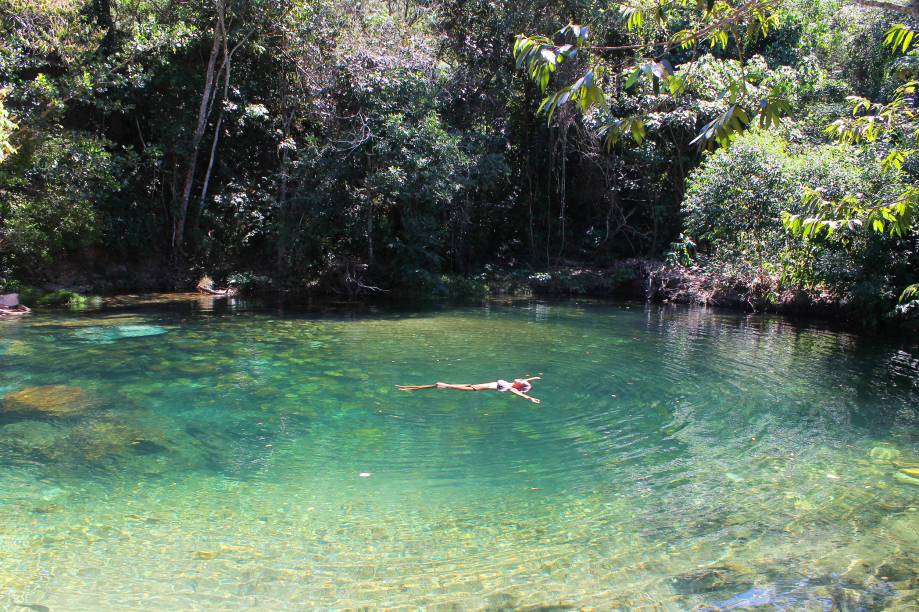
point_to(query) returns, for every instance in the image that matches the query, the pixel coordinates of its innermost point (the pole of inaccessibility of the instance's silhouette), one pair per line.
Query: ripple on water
(680, 458)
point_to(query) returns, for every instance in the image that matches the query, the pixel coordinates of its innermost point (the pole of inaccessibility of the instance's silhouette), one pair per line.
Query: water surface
(189, 457)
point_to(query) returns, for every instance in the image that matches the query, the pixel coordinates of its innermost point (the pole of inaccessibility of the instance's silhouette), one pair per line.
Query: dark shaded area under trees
(349, 146)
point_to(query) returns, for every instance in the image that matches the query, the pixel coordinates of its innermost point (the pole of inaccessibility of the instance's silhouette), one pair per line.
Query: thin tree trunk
(531, 232)
(370, 201)
(179, 228)
(227, 66)
(370, 233)
(549, 176)
(282, 191)
(528, 139)
(562, 196)
(282, 213)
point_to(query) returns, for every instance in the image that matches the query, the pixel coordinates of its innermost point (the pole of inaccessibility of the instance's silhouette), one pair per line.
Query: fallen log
(210, 291)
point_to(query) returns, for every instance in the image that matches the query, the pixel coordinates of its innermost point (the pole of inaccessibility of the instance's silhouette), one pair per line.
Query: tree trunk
(372, 195)
(549, 176)
(288, 112)
(562, 184)
(226, 68)
(179, 228)
(528, 131)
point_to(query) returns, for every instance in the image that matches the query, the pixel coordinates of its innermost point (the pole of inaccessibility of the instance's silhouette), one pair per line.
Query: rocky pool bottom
(179, 458)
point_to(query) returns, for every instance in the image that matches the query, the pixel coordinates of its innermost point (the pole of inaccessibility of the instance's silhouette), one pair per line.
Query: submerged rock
(129, 441)
(205, 555)
(857, 572)
(112, 333)
(905, 478)
(137, 331)
(898, 568)
(709, 579)
(52, 400)
(884, 453)
(99, 440)
(16, 348)
(83, 322)
(30, 436)
(849, 599)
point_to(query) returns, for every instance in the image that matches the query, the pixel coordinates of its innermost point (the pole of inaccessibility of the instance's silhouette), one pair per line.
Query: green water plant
(70, 299)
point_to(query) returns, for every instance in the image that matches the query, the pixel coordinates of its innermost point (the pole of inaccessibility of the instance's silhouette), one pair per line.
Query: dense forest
(432, 145)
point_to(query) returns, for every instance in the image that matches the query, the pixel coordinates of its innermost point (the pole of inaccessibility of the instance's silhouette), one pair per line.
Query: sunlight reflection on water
(243, 457)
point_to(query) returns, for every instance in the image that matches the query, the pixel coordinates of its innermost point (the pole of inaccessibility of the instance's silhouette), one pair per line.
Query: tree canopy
(316, 145)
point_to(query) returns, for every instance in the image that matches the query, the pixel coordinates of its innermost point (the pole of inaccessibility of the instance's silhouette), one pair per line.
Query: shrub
(734, 200)
(733, 205)
(248, 283)
(47, 197)
(63, 297)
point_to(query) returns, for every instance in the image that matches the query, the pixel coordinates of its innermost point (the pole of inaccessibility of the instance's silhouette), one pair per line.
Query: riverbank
(629, 279)
(657, 281)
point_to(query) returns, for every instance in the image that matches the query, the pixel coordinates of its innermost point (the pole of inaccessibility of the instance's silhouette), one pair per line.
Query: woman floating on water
(520, 386)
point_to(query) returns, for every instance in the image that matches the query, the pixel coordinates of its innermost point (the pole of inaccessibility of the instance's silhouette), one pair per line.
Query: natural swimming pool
(179, 457)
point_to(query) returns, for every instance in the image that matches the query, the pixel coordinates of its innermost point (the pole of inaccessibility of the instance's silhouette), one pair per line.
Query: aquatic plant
(71, 299)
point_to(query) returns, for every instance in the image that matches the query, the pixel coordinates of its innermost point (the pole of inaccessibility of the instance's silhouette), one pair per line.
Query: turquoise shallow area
(189, 456)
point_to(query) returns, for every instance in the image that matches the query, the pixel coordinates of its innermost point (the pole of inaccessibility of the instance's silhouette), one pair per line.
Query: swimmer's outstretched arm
(523, 395)
(415, 387)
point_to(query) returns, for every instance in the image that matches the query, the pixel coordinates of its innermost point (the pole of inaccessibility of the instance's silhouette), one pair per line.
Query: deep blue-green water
(205, 455)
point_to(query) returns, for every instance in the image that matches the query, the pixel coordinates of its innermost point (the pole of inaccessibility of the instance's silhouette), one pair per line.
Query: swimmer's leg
(415, 387)
(441, 385)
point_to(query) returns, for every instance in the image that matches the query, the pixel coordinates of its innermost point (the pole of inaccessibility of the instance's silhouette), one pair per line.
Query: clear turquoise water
(226, 457)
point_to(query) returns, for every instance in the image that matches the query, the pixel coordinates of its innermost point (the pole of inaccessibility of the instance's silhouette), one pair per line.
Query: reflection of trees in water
(633, 489)
(768, 409)
(773, 359)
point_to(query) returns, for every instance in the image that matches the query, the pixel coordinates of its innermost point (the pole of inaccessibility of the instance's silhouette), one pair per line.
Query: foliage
(307, 145)
(681, 251)
(889, 132)
(70, 299)
(46, 196)
(658, 36)
(461, 289)
(7, 127)
(205, 283)
(248, 283)
(735, 217)
(735, 212)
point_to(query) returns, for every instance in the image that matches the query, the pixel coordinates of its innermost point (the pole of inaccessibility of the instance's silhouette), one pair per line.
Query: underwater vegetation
(681, 459)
